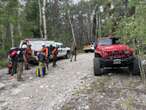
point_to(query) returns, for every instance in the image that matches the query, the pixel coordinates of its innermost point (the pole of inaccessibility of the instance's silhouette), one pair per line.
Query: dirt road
(44, 93)
(72, 86)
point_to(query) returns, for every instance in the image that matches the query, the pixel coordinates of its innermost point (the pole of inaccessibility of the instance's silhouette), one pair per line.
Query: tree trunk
(12, 34)
(3, 37)
(19, 30)
(19, 25)
(72, 29)
(44, 19)
(40, 18)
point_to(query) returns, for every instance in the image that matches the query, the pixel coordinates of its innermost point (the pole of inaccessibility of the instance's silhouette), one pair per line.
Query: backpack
(13, 54)
(41, 57)
(20, 54)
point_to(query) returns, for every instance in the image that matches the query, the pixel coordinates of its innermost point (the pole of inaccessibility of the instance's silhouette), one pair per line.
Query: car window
(109, 41)
(105, 42)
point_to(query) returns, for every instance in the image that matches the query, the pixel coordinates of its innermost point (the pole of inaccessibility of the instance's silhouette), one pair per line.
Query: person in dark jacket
(73, 53)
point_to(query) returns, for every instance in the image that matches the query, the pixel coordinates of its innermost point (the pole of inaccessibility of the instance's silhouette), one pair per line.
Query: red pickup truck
(109, 52)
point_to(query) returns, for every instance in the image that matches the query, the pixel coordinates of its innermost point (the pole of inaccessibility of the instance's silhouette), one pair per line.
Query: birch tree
(40, 18)
(44, 19)
(12, 34)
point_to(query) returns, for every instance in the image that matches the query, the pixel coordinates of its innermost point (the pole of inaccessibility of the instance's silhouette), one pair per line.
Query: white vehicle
(88, 47)
(62, 50)
(36, 44)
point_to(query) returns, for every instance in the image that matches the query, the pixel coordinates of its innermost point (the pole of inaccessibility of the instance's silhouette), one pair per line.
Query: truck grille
(117, 54)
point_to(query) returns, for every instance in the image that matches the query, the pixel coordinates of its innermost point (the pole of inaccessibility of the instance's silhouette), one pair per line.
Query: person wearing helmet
(24, 46)
(28, 55)
(12, 64)
(45, 51)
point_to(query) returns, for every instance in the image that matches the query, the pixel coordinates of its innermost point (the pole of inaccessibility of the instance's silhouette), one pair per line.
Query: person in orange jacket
(45, 51)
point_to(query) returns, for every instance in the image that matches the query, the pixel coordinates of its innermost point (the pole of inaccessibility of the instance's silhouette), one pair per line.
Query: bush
(3, 54)
(3, 63)
(3, 57)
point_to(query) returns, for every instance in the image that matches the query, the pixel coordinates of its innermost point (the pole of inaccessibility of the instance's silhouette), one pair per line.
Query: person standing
(54, 54)
(41, 69)
(73, 53)
(12, 65)
(45, 51)
(20, 62)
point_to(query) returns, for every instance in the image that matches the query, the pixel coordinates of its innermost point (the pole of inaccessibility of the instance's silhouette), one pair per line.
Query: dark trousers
(14, 67)
(54, 60)
(47, 62)
(73, 54)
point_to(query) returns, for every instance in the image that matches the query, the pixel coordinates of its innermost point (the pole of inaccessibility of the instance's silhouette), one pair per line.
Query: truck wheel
(86, 51)
(134, 67)
(97, 69)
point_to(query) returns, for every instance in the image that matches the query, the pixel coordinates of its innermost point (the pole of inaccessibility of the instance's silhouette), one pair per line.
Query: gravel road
(48, 92)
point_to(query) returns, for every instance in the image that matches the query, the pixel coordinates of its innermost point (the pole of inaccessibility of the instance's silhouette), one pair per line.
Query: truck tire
(86, 51)
(134, 67)
(97, 69)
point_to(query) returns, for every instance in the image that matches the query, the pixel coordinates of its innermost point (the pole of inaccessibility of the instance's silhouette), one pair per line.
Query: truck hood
(117, 47)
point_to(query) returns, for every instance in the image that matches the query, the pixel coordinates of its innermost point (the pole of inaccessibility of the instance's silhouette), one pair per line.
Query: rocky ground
(72, 86)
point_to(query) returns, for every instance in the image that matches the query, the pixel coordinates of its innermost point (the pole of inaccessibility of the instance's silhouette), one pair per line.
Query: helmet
(43, 44)
(24, 46)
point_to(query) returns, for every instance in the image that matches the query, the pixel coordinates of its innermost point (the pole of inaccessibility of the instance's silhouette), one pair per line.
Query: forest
(49, 19)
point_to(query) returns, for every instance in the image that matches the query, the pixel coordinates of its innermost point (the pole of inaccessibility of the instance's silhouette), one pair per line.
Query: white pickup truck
(62, 50)
(36, 45)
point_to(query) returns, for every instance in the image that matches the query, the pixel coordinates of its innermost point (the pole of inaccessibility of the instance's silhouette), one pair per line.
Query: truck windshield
(109, 41)
(105, 42)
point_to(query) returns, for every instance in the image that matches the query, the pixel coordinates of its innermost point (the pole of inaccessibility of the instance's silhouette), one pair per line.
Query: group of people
(19, 58)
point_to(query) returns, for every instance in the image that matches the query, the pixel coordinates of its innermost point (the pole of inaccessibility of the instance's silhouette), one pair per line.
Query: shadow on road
(117, 71)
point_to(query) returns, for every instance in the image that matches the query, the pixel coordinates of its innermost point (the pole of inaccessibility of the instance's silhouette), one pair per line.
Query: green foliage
(3, 63)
